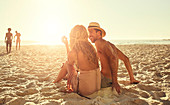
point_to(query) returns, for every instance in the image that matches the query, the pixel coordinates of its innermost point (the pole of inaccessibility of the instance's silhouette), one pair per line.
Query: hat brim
(103, 31)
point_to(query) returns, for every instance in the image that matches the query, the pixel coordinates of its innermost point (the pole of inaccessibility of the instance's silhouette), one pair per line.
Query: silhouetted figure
(8, 40)
(18, 35)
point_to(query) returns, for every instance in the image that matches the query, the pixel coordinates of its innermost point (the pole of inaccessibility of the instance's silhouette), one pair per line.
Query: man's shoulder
(100, 42)
(103, 42)
(110, 43)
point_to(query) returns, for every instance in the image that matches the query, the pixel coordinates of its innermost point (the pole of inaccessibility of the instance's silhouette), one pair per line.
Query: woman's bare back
(82, 61)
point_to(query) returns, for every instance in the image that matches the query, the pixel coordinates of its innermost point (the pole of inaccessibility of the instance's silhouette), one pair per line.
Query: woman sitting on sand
(81, 67)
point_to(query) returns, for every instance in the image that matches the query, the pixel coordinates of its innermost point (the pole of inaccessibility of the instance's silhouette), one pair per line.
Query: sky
(49, 20)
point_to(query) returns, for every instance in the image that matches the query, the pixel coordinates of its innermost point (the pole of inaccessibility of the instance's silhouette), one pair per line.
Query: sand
(26, 76)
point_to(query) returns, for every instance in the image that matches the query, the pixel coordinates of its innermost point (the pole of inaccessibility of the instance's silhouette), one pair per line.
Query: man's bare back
(106, 61)
(109, 61)
(104, 58)
(109, 56)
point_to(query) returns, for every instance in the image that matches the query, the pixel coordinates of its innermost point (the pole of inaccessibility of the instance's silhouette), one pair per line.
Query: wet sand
(26, 76)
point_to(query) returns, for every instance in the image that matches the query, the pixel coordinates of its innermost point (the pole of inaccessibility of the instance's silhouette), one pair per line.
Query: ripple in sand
(158, 94)
(52, 102)
(148, 87)
(11, 78)
(20, 87)
(30, 84)
(167, 66)
(144, 94)
(2, 89)
(20, 80)
(48, 93)
(16, 101)
(6, 66)
(5, 99)
(30, 103)
(27, 92)
(139, 101)
(9, 85)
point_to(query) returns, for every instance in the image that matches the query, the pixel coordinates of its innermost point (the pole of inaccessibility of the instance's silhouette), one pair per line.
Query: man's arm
(110, 53)
(126, 61)
(128, 66)
(5, 37)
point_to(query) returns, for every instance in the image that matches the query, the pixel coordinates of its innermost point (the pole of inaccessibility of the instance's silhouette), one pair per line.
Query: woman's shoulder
(72, 53)
(72, 56)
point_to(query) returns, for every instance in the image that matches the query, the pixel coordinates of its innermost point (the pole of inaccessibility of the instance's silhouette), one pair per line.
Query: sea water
(116, 42)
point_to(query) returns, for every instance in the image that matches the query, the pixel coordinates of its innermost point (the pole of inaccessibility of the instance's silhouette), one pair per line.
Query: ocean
(116, 42)
(128, 42)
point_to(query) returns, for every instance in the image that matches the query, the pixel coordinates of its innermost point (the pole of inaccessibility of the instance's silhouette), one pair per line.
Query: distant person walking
(18, 41)
(8, 40)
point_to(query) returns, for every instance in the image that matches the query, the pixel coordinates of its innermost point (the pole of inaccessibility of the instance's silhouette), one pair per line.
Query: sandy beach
(26, 76)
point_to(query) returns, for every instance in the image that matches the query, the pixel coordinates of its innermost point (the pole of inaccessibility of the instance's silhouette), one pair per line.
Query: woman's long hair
(79, 42)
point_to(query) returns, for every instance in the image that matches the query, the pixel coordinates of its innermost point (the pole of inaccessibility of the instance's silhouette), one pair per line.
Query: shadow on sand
(2, 54)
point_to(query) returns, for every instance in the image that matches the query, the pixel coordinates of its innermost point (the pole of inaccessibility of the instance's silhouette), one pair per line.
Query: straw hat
(96, 26)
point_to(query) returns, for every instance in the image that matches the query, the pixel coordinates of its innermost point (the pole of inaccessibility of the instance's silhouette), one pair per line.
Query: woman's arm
(65, 41)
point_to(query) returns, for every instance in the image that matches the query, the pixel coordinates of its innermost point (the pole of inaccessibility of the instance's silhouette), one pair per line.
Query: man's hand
(64, 40)
(117, 87)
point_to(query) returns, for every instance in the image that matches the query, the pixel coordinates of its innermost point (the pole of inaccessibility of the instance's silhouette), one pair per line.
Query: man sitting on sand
(8, 40)
(84, 57)
(18, 35)
(109, 56)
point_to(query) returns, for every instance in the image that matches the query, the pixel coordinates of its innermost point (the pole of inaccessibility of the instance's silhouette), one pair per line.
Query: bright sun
(51, 33)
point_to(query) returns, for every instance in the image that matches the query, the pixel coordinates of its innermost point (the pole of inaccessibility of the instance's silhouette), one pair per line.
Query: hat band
(93, 26)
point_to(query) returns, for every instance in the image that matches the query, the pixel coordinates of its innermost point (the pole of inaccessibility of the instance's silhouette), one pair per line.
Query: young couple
(82, 68)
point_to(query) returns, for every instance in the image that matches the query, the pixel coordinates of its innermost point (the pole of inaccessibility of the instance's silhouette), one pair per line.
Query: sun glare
(51, 33)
